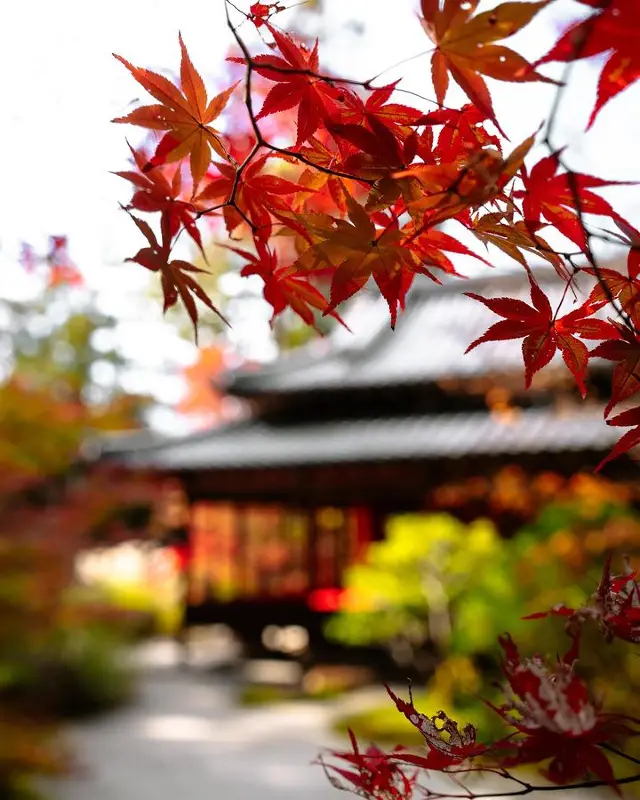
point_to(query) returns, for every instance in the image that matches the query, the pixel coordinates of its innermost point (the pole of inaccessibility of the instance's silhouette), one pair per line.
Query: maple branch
(366, 84)
(331, 80)
(231, 201)
(477, 176)
(526, 788)
(620, 753)
(563, 297)
(407, 60)
(529, 788)
(260, 140)
(572, 181)
(326, 170)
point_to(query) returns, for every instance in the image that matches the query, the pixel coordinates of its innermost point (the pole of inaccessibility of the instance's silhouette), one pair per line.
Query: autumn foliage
(549, 714)
(373, 173)
(372, 180)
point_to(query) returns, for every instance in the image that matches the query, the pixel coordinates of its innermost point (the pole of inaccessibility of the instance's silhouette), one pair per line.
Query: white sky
(61, 87)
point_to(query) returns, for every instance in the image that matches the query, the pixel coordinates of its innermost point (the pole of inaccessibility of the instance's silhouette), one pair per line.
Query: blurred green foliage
(163, 611)
(432, 580)
(60, 657)
(59, 382)
(79, 672)
(438, 593)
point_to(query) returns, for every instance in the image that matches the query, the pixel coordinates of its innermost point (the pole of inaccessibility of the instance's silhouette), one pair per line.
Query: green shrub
(163, 612)
(82, 672)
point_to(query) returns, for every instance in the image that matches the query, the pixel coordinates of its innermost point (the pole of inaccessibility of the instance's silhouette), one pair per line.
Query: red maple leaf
(624, 349)
(562, 199)
(257, 194)
(613, 285)
(447, 745)
(372, 773)
(159, 190)
(259, 13)
(615, 606)
(375, 140)
(611, 29)
(428, 246)
(555, 718)
(544, 332)
(618, 602)
(629, 440)
(174, 274)
(376, 111)
(375, 154)
(462, 131)
(295, 84)
(283, 287)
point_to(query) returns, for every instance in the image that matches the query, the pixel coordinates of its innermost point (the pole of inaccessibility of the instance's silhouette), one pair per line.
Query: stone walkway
(185, 739)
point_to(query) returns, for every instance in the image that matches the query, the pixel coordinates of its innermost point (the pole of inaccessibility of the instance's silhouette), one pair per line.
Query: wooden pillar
(242, 542)
(312, 547)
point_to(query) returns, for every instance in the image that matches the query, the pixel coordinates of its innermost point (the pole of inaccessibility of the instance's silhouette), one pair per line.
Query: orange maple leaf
(328, 189)
(202, 399)
(355, 250)
(186, 116)
(499, 229)
(454, 187)
(464, 47)
(62, 270)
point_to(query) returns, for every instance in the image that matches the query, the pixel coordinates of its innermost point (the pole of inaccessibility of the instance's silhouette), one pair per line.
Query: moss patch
(265, 694)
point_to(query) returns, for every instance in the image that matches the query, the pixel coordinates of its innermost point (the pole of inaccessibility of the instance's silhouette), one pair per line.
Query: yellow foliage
(456, 675)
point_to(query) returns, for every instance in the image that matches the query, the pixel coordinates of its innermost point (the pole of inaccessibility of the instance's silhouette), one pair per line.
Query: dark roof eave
(432, 437)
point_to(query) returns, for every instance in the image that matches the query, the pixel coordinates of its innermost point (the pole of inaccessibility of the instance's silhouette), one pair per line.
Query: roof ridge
(304, 359)
(417, 436)
(161, 440)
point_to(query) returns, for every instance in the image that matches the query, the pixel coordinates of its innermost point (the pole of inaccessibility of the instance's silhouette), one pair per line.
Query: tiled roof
(428, 344)
(259, 443)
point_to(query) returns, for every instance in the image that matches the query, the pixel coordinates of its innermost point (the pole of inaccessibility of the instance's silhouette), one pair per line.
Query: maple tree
(360, 193)
(374, 179)
(48, 406)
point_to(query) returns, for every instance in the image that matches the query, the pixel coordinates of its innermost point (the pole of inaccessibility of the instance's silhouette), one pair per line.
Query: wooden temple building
(360, 426)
